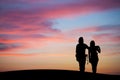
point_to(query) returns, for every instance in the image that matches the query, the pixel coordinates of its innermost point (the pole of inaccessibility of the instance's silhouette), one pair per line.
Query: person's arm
(87, 46)
(98, 49)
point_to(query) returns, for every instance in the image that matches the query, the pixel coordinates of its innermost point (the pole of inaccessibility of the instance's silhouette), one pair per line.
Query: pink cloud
(108, 33)
(30, 41)
(107, 38)
(78, 8)
(21, 21)
(40, 17)
(35, 23)
(62, 10)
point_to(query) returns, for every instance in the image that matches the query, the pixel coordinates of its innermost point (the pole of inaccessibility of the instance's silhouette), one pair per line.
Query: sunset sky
(43, 34)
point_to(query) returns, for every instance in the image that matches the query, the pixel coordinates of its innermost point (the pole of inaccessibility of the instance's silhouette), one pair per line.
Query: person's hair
(81, 40)
(92, 43)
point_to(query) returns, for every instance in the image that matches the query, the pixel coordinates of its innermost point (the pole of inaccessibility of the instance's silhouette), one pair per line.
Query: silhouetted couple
(92, 53)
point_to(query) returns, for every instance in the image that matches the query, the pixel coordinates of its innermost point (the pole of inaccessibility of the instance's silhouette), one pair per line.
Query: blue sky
(109, 17)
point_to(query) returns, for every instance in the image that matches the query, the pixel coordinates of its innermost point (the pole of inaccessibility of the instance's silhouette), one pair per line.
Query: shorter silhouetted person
(80, 54)
(93, 55)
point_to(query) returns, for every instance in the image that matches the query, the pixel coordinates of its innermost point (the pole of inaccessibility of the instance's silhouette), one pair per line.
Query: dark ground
(54, 75)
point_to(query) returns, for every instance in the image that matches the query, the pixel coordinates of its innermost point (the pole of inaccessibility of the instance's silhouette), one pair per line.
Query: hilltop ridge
(48, 74)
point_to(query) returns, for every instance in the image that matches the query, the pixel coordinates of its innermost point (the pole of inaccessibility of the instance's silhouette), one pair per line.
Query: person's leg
(94, 66)
(82, 65)
(79, 66)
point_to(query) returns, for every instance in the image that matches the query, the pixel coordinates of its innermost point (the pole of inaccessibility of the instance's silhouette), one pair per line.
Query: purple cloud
(111, 28)
(34, 17)
(10, 36)
(108, 33)
(5, 46)
(8, 27)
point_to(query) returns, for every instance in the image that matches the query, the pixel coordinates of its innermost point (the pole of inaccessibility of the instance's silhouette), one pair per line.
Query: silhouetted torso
(94, 52)
(80, 51)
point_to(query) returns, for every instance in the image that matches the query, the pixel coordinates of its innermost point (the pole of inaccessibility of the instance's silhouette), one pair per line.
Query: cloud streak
(4, 46)
(30, 20)
(107, 34)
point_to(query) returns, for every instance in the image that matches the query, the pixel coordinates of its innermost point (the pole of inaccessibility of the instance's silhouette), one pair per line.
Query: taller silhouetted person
(80, 54)
(93, 55)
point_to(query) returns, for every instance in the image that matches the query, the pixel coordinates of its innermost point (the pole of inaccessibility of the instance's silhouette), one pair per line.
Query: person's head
(92, 43)
(81, 41)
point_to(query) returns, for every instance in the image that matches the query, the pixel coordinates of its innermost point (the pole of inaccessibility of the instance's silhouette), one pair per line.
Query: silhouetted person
(93, 55)
(80, 54)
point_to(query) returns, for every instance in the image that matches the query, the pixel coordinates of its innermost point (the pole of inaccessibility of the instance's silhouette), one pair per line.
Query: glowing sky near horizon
(43, 34)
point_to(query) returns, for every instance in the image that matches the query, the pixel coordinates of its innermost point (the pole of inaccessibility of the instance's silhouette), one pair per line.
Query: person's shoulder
(97, 46)
(85, 45)
(77, 45)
